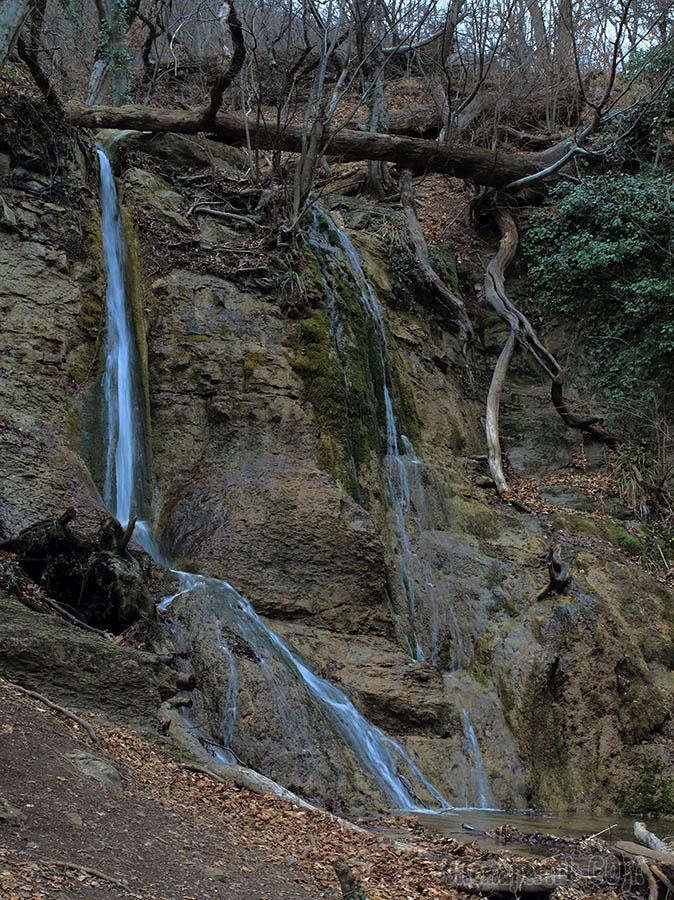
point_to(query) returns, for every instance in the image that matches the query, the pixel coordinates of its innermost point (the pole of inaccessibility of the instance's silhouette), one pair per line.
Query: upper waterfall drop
(123, 437)
(430, 611)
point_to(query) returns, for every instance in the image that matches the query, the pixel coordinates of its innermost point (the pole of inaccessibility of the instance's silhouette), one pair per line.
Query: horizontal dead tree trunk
(486, 167)
(426, 121)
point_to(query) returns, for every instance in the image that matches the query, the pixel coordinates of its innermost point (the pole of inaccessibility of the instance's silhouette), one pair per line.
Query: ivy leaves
(601, 253)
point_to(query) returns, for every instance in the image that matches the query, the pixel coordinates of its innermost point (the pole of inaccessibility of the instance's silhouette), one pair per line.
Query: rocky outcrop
(82, 670)
(565, 695)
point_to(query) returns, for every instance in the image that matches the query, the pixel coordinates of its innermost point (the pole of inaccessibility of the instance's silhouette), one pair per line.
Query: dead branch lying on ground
(60, 709)
(93, 873)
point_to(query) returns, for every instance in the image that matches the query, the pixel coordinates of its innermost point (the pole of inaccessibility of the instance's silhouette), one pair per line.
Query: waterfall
(123, 444)
(377, 754)
(485, 799)
(401, 467)
(230, 711)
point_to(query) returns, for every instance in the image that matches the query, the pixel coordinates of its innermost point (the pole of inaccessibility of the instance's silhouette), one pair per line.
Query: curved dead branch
(87, 726)
(491, 425)
(494, 289)
(447, 297)
(525, 333)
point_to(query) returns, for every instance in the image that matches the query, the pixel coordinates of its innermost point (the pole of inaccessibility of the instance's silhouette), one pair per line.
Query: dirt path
(126, 832)
(161, 832)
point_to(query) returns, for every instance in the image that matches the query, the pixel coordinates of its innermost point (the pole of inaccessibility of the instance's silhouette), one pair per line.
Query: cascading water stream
(377, 753)
(122, 443)
(399, 461)
(485, 799)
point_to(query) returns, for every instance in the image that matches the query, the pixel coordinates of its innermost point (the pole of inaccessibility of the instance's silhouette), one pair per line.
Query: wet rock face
(50, 304)
(559, 693)
(243, 492)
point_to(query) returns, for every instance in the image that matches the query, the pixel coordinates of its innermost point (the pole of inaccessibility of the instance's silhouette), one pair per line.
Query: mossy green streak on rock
(139, 297)
(603, 530)
(317, 363)
(344, 375)
(93, 279)
(402, 393)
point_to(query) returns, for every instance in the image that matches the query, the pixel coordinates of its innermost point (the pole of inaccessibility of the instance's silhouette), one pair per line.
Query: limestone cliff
(265, 473)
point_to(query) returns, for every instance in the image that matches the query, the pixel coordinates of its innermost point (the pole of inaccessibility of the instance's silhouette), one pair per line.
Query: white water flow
(121, 455)
(228, 726)
(376, 753)
(485, 799)
(400, 462)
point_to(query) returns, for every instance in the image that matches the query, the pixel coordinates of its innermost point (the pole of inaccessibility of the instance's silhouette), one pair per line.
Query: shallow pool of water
(574, 825)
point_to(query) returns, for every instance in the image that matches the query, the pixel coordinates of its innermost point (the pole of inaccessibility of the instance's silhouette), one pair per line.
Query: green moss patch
(650, 791)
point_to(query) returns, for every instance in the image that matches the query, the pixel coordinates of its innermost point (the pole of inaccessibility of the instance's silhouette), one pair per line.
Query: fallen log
(657, 856)
(494, 168)
(646, 837)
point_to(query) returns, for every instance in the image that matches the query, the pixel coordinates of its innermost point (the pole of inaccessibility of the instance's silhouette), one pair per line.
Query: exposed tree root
(522, 331)
(447, 297)
(94, 873)
(69, 617)
(61, 709)
(94, 575)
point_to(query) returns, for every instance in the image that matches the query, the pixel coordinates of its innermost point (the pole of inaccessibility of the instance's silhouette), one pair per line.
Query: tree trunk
(491, 425)
(97, 82)
(13, 14)
(113, 67)
(487, 167)
(447, 297)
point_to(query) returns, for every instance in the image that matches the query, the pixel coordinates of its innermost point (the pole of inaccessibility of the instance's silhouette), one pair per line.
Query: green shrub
(600, 255)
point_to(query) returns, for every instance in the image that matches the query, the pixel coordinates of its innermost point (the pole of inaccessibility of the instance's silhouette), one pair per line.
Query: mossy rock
(475, 519)
(650, 791)
(622, 539)
(574, 524)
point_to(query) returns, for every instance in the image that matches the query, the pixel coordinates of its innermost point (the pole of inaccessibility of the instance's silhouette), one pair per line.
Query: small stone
(217, 874)
(99, 769)
(484, 482)
(10, 815)
(74, 819)
(7, 217)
